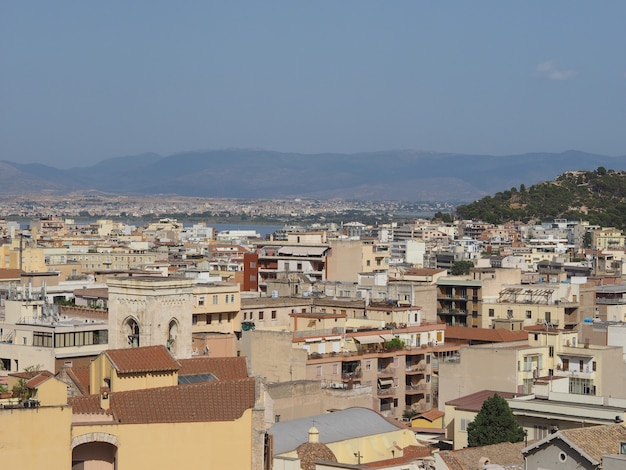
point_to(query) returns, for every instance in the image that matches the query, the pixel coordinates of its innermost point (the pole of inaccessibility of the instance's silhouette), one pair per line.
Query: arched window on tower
(171, 335)
(131, 331)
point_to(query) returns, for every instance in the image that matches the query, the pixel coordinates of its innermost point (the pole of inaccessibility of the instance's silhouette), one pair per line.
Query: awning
(385, 382)
(302, 250)
(368, 339)
(387, 337)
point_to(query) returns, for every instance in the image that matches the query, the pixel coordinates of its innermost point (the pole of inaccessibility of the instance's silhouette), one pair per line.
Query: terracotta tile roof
(491, 335)
(143, 359)
(30, 375)
(506, 454)
(449, 458)
(597, 441)
(39, 379)
(411, 453)
(87, 405)
(474, 401)
(81, 377)
(208, 401)
(224, 368)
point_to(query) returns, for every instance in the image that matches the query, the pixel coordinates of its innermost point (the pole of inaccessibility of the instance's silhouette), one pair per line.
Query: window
(509, 313)
(318, 371)
(232, 298)
(215, 300)
(220, 318)
(464, 423)
(529, 314)
(201, 300)
(273, 314)
(253, 264)
(245, 316)
(42, 339)
(335, 368)
(492, 312)
(368, 365)
(367, 263)
(226, 298)
(260, 315)
(551, 351)
(547, 317)
(539, 432)
(299, 266)
(194, 320)
(593, 366)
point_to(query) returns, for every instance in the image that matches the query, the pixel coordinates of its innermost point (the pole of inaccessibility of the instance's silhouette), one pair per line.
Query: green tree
(461, 267)
(445, 217)
(493, 424)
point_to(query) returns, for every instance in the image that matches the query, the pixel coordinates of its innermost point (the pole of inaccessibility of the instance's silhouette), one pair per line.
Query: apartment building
(590, 370)
(275, 261)
(460, 298)
(562, 305)
(35, 334)
(608, 238)
(348, 258)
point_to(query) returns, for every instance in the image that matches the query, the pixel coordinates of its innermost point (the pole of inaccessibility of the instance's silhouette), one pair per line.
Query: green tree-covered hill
(597, 196)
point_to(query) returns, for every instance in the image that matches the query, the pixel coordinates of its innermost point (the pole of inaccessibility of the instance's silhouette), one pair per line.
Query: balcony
(417, 368)
(584, 373)
(449, 311)
(419, 388)
(386, 392)
(357, 374)
(387, 371)
(355, 388)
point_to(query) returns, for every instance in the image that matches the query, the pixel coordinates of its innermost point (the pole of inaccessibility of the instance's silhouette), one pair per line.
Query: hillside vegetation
(596, 196)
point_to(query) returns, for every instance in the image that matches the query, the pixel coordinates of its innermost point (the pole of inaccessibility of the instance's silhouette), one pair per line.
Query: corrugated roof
(142, 359)
(337, 426)
(474, 401)
(6, 273)
(224, 368)
(494, 335)
(432, 414)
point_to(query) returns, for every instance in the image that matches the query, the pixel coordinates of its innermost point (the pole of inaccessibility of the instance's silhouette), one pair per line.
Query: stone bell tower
(148, 311)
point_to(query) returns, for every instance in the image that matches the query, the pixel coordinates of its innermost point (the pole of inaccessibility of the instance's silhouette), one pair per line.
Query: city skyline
(85, 82)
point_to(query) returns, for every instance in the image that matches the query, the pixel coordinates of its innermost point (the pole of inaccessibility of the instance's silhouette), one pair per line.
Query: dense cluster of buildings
(333, 346)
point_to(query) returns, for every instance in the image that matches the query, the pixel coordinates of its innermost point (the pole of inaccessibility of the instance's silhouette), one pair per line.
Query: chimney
(105, 397)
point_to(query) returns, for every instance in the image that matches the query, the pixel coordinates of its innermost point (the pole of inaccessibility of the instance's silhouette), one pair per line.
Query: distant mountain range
(405, 175)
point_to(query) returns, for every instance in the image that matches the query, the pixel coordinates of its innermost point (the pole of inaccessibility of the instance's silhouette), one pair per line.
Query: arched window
(172, 332)
(131, 331)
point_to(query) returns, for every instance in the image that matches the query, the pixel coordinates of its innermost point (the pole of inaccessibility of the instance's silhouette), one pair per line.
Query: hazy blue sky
(84, 81)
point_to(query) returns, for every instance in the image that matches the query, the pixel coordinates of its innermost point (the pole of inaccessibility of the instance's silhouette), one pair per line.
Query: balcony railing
(352, 375)
(386, 392)
(416, 388)
(387, 371)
